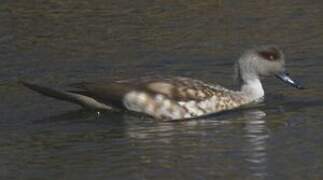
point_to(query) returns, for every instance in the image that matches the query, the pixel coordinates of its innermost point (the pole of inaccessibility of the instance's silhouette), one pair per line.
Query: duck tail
(48, 91)
(82, 100)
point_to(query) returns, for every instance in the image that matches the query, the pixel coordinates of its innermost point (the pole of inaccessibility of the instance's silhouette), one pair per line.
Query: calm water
(58, 42)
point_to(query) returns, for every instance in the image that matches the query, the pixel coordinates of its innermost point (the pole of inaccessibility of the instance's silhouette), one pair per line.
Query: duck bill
(284, 76)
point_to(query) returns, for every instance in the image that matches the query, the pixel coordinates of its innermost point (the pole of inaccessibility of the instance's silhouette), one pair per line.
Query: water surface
(59, 42)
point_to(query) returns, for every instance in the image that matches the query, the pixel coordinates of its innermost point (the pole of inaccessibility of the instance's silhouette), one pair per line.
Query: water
(59, 42)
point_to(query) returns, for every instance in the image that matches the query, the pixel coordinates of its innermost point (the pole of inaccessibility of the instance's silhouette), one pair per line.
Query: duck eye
(270, 54)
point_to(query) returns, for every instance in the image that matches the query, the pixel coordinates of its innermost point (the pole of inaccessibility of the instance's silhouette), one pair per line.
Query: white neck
(253, 89)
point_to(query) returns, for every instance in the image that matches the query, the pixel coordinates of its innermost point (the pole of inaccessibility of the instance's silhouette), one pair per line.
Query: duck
(177, 98)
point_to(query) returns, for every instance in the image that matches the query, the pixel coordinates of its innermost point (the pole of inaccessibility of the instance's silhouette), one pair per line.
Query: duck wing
(176, 89)
(185, 89)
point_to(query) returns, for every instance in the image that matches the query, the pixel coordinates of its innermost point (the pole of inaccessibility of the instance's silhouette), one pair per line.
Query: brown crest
(271, 54)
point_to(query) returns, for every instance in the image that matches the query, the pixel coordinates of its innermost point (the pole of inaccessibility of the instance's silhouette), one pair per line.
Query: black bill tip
(284, 76)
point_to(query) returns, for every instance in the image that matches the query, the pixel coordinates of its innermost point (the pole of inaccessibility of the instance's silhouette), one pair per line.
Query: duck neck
(249, 82)
(253, 89)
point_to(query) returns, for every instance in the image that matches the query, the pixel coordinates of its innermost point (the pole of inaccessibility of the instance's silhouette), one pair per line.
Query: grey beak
(284, 76)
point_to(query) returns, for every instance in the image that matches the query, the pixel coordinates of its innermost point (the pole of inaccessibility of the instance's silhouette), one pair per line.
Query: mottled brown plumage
(178, 97)
(182, 96)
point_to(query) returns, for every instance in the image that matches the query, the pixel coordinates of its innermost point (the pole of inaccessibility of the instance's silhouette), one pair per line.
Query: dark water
(57, 42)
